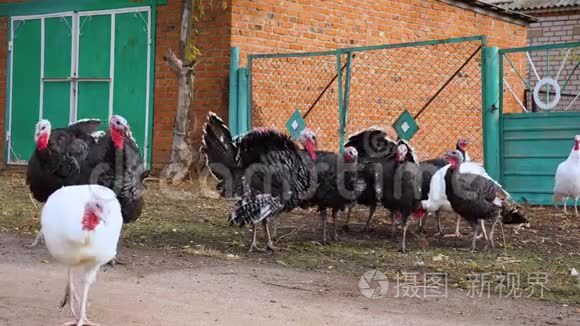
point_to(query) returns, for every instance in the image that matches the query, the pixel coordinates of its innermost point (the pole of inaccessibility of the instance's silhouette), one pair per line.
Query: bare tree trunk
(183, 156)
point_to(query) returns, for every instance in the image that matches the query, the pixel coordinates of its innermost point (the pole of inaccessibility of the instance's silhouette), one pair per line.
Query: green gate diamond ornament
(406, 126)
(295, 124)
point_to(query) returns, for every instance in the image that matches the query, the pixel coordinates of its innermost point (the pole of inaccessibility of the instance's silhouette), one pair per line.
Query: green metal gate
(431, 87)
(74, 65)
(540, 115)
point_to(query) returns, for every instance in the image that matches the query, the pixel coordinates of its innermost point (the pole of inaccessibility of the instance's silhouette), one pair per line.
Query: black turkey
(373, 145)
(476, 198)
(274, 174)
(115, 162)
(402, 188)
(59, 154)
(338, 186)
(57, 159)
(428, 169)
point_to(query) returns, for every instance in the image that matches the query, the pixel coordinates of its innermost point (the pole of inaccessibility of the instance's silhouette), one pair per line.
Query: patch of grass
(182, 220)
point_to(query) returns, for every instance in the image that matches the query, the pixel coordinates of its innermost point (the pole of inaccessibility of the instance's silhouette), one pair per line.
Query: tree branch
(174, 62)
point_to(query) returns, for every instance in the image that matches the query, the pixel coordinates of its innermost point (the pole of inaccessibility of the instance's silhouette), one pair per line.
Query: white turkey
(81, 226)
(567, 180)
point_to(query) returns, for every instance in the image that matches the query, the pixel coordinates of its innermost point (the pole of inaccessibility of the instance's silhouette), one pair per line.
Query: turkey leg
(334, 234)
(403, 242)
(254, 246)
(269, 245)
(37, 240)
(323, 216)
(371, 213)
(87, 281)
(476, 229)
(348, 211)
(457, 234)
(440, 232)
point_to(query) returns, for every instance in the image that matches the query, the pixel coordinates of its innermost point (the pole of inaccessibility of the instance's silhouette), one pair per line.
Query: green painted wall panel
(534, 144)
(93, 101)
(57, 47)
(25, 88)
(56, 103)
(94, 46)
(130, 78)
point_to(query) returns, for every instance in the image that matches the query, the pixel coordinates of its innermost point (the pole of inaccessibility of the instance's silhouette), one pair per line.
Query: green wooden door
(71, 66)
(130, 86)
(25, 90)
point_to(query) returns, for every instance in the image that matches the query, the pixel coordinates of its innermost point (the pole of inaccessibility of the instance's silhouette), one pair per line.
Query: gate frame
(500, 84)
(240, 101)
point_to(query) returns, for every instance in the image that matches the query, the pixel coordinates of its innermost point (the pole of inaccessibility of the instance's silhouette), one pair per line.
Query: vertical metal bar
(112, 65)
(9, 75)
(340, 98)
(75, 66)
(249, 93)
(499, 85)
(243, 121)
(491, 110)
(152, 36)
(41, 100)
(345, 102)
(548, 75)
(233, 105)
(146, 149)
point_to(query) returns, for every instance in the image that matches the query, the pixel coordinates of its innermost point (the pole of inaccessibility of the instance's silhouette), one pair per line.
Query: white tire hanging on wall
(548, 105)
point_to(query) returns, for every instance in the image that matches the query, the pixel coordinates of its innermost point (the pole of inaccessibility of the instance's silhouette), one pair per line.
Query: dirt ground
(156, 288)
(186, 264)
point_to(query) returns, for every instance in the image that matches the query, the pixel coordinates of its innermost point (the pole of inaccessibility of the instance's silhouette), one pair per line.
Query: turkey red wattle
(42, 141)
(310, 148)
(118, 137)
(577, 144)
(90, 220)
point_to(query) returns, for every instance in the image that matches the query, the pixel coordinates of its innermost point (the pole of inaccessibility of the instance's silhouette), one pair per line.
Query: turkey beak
(310, 148)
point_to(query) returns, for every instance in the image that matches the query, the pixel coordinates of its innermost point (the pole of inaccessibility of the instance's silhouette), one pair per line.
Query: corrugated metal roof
(535, 4)
(499, 9)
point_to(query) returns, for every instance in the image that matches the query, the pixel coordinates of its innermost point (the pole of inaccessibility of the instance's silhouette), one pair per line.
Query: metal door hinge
(10, 46)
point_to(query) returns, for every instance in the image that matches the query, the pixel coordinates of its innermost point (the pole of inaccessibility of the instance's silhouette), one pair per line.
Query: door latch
(10, 46)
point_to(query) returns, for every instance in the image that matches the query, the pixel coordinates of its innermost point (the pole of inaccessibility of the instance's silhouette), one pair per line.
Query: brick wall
(313, 25)
(384, 82)
(553, 28)
(211, 78)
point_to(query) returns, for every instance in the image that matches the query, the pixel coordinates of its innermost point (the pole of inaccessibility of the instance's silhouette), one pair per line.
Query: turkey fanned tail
(251, 210)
